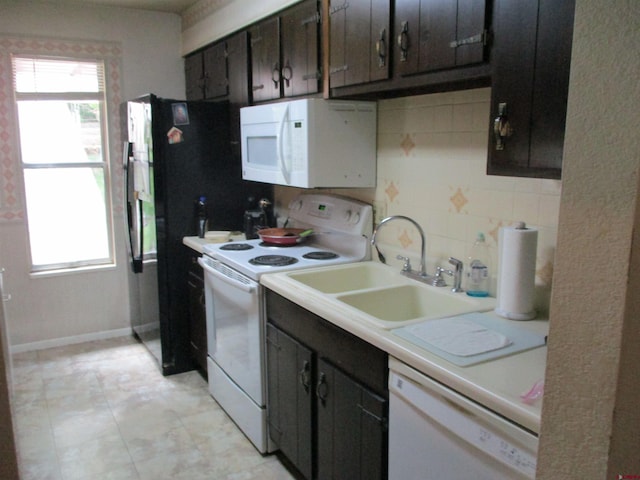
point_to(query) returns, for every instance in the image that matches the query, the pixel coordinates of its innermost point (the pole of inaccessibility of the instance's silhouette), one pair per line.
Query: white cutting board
(471, 338)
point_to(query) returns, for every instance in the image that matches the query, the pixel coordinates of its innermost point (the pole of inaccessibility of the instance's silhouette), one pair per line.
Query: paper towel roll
(516, 272)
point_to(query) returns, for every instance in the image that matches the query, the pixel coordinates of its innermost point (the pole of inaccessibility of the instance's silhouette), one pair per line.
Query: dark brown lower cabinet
(351, 427)
(289, 364)
(197, 314)
(327, 400)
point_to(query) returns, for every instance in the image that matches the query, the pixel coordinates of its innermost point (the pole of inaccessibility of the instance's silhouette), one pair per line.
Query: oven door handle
(249, 288)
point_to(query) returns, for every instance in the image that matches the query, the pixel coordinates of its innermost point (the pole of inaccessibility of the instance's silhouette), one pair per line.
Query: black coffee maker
(256, 218)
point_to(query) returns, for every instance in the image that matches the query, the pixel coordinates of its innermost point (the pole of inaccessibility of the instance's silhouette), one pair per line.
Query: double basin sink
(385, 297)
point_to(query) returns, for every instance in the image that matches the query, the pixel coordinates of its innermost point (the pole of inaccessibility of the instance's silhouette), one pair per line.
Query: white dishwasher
(437, 434)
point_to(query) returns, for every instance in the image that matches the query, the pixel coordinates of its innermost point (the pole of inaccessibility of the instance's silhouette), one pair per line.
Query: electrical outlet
(379, 211)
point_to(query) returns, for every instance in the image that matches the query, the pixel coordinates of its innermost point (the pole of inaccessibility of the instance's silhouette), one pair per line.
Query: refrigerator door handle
(136, 261)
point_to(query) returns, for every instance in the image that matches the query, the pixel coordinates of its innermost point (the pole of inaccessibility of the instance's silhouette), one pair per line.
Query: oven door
(234, 330)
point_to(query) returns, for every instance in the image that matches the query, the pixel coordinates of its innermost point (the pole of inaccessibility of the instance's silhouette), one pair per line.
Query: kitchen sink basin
(350, 277)
(400, 305)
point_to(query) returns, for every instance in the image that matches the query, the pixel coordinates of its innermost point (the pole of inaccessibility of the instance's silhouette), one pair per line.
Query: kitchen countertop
(196, 243)
(496, 384)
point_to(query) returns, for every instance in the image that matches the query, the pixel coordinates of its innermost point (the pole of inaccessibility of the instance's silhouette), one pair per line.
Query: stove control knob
(295, 205)
(347, 216)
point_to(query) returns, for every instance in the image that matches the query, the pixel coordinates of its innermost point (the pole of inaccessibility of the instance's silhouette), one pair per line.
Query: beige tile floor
(102, 411)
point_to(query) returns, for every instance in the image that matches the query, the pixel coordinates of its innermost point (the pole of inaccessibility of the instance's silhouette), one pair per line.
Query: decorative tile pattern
(392, 191)
(458, 200)
(545, 273)
(407, 145)
(405, 239)
(11, 208)
(495, 232)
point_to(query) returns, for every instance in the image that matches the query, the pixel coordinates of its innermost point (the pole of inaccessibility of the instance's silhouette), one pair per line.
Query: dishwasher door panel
(435, 434)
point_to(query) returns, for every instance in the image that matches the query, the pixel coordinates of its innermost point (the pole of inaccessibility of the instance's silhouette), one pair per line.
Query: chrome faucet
(407, 267)
(456, 273)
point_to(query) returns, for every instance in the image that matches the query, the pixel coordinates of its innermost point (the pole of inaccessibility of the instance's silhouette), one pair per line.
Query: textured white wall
(85, 304)
(209, 20)
(590, 416)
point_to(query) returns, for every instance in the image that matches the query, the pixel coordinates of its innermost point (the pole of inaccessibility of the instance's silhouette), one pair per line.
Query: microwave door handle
(283, 167)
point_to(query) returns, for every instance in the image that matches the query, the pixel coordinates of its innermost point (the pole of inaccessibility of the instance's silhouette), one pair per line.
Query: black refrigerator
(174, 153)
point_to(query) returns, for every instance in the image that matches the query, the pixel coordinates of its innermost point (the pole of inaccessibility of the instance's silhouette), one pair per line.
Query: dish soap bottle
(478, 270)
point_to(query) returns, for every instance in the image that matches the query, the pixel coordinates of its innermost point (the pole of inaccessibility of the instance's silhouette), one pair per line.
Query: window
(63, 144)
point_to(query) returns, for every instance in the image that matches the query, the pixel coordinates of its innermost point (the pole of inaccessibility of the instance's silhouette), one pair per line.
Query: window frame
(105, 164)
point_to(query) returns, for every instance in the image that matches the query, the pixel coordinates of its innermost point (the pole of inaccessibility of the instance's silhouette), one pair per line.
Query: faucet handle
(456, 263)
(407, 263)
(457, 277)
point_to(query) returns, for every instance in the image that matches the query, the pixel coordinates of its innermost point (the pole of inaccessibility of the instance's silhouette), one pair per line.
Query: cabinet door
(530, 78)
(265, 60)
(197, 314)
(290, 384)
(238, 77)
(438, 34)
(351, 428)
(215, 71)
(300, 41)
(359, 41)
(194, 76)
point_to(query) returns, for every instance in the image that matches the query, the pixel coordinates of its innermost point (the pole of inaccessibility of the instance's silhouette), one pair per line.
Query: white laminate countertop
(196, 243)
(496, 384)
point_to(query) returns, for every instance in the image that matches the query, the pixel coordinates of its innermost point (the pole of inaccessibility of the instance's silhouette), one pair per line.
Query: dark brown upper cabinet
(530, 82)
(206, 73)
(194, 76)
(300, 42)
(265, 60)
(359, 41)
(438, 34)
(285, 53)
(238, 80)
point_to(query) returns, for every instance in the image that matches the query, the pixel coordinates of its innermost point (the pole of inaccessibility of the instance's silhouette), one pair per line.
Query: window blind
(46, 75)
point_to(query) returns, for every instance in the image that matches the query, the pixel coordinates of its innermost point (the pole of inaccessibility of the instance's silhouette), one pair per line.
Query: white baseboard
(60, 342)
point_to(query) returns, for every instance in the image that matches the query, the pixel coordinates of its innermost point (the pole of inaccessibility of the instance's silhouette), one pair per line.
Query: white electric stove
(236, 327)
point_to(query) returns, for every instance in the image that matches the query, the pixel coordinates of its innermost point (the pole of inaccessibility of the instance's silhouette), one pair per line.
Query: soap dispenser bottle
(478, 268)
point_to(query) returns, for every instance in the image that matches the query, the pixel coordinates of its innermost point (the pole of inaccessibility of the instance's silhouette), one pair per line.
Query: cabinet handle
(334, 10)
(478, 38)
(257, 87)
(403, 41)
(322, 388)
(371, 415)
(501, 127)
(381, 48)
(342, 68)
(287, 74)
(275, 75)
(305, 376)
(312, 76)
(315, 18)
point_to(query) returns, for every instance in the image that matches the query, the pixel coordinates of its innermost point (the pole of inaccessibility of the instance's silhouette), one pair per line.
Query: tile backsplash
(431, 166)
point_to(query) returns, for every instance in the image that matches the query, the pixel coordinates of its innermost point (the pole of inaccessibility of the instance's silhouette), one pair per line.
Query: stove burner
(236, 246)
(320, 255)
(273, 260)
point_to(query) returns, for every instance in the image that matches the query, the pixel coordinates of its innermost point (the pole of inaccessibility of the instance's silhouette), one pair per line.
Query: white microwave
(310, 143)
